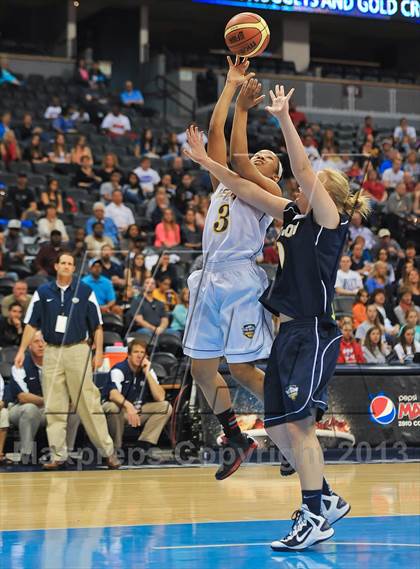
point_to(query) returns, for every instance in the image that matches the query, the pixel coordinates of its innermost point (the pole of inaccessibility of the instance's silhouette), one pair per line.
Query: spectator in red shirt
(374, 187)
(298, 118)
(350, 350)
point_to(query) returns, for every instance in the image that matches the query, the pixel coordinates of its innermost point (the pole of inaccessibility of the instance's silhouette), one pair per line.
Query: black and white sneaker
(308, 529)
(334, 507)
(234, 452)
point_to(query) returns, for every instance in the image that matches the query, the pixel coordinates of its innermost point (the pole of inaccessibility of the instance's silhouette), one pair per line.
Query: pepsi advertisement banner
(367, 409)
(402, 10)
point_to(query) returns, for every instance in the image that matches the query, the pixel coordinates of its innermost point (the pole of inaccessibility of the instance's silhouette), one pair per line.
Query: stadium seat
(35, 281)
(167, 360)
(111, 338)
(6, 286)
(160, 372)
(5, 370)
(20, 166)
(113, 323)
(343, 304)
(8, 354)
(169, 343)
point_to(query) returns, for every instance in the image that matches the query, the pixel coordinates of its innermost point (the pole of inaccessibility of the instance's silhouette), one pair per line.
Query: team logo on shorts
(248, 330)
(292, 392)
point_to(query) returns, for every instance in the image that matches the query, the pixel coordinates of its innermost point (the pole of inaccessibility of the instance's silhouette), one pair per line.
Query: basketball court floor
(182, 517)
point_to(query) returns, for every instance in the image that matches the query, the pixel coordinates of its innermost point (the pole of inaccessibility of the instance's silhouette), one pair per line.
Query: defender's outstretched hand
(236, 74)
(250, 95)
(196, 150)
(279, 101)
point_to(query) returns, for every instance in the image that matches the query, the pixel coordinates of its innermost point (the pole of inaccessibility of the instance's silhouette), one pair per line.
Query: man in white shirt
(356, 228)
(115, 123)
(393, 176)
(120, 214)
(405, 130)
(48, 223)
(348, 282)
(148, 177)
(310, 149)
(53, 111)
(181, 138)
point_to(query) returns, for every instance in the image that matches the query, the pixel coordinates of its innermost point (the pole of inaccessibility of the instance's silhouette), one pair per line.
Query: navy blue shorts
(302, 361)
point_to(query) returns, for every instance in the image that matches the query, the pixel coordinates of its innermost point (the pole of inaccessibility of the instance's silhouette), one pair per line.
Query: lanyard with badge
(61, 323)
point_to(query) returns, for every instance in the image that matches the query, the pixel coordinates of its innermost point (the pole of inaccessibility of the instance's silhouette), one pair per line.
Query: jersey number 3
(222, 222)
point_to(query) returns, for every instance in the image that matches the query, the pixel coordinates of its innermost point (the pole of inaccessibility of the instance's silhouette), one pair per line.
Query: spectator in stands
(383, 256)
(372, 319)
(348, 282)
(412, 165)
(191, 236)
(405, 304)
(400, 203)
(131, 97)
(171, 148)
(378, 277)
(64, 123)
(97, 240)
(34, 152)
(6, 76)
(135, 397)
(164, 268)
(409, 254)
(132, 190)
(202, 209)
(367, 127)
(132, 237)
(179, 313)
(4, 425)
(177, 170)
(357, 228)
(27, 129)
(391, 177)
(166, 182)
(120, 214)
(86, 177)
(98, 79)
(407, 347)
(19, 295)
(344, 164)
(167, 232)
(52, 195)
(350, 350)
(413, 318)
(135, 275)
(27, 410)
(7, 208)
(81, 75)
(165, 294)
(409, 182)
(81, 150)
(47, 254)
(9, 148)
(49, 223)
(374, 187)
(184, 193)
(298, 118)
(59, 154)
(151, 318)
(389, 244)
(111, 269)
(148, 177)
(358, 260)
(5, 122)
(11, 327)
(373, 350)
(405, 130)
(378, 298)
(310, 148)
(157, 205)
(77, 245)
(101, 286)
(107, 188)
(116, 124)
(21, 196)
(13, 246)
(109, 165)
(146, 145)
(411, 282)
(53, 111)
(387, 156)
(110, 229)
(359, 307)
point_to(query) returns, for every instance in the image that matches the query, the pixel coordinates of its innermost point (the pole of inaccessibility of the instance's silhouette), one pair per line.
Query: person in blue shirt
(304, 354)
(101, 286)
(67, 313)
(6, 76)
(179, 313)
(27, 412)
(110, 229)
(131, 97)
(135, 397)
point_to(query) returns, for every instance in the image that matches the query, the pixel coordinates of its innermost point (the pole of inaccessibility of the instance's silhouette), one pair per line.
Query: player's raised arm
(325, 210)
(246, 190)
(250, 96)
(217, 143)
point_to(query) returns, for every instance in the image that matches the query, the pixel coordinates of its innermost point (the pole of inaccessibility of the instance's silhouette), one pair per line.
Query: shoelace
(299, 520)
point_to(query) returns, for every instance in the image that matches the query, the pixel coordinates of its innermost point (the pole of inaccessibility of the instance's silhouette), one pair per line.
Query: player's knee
(243, 372)
(201, 371)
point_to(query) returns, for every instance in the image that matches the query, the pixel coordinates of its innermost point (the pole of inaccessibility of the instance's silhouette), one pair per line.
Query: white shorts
(225, 317)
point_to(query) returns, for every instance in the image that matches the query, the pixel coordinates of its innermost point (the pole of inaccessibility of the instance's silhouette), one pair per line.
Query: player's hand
(133, 418)
(279, 101)
(250, 95)
(19, 358)
(236, 74)
(197, 151)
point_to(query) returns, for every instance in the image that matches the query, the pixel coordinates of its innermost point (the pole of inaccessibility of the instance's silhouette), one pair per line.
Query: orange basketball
(247, 34)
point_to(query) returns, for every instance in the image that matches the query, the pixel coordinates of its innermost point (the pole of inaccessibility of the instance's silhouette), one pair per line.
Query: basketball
(247, 34)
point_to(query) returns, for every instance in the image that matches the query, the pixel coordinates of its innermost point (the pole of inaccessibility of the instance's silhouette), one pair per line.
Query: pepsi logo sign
(382, 410)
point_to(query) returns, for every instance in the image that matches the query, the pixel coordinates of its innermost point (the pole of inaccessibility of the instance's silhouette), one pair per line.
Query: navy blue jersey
(26, 379)
(309, 256)
(134, 387)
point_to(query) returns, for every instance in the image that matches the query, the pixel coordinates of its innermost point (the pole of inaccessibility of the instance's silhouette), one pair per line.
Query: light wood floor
(160, 496)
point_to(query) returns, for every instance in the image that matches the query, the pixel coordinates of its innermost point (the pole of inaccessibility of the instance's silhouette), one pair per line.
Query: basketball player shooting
(304, 353)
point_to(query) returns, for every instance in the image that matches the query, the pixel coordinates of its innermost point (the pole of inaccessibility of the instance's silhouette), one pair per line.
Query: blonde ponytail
(357, 202)
(337, 185)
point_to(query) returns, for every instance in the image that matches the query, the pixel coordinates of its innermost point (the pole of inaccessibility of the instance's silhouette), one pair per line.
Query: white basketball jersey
(234, 230)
